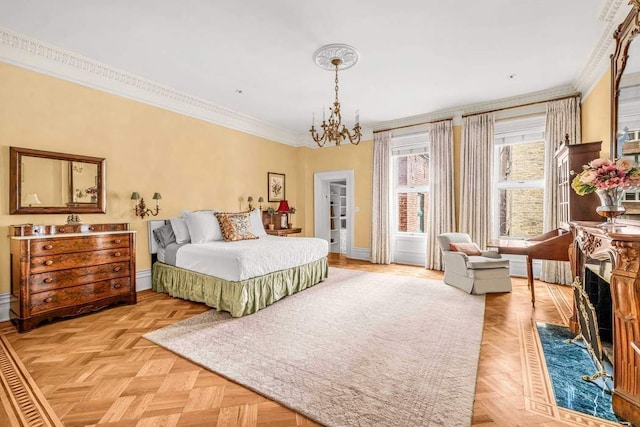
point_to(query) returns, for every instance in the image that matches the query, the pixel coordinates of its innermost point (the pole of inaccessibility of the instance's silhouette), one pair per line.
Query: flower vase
(610, 204)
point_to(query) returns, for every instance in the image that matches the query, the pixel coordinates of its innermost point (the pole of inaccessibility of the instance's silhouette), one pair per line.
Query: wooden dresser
(67, 270)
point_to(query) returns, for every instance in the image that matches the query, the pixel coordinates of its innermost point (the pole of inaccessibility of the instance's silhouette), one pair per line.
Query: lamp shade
(157, 196)
(32, 199)
(284, 206)
(260, 199)
(250, 199)
(135, 196)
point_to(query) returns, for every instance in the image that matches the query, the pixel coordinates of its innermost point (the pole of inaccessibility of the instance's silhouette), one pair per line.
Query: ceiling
(416, 56)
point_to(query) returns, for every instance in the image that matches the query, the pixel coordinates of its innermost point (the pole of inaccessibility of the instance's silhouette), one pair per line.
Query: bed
(240, 277)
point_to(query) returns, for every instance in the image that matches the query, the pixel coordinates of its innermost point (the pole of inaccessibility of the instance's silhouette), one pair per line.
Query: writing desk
(553, 246)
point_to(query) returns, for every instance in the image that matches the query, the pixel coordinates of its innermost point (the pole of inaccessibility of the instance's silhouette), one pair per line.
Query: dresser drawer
(41, 247)
(67, 297)
(76, 276)
(42, 264)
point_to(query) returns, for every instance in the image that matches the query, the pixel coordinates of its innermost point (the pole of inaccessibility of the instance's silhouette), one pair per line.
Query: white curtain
(475, 176)
(380, 227)
(563, 117)
(441, 210)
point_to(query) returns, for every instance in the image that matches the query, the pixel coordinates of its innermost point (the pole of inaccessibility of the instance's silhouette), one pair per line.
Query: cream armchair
(479, 273)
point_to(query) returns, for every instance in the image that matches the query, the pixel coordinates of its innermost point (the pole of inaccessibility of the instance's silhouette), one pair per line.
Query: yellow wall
(360, 159)
(596, 114)
(194, 164)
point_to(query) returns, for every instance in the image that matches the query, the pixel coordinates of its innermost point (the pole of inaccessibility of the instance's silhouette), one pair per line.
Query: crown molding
(23, 51)
(613, 13)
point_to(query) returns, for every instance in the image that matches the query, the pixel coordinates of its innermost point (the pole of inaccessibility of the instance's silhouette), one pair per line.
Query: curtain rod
(415, 124)
(560, 98)
(481, 112)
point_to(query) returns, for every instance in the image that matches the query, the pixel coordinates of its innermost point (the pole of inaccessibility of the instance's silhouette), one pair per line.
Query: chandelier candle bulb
(357, 116)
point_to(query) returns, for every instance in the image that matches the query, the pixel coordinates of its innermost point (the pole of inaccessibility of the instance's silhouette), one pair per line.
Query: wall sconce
(140, 207)
(261, 200)
(250, 200)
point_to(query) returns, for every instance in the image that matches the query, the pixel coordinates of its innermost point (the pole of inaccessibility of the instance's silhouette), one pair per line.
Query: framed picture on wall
(276, 186)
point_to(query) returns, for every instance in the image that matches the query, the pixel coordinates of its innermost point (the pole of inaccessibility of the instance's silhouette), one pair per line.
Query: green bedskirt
(238, 298)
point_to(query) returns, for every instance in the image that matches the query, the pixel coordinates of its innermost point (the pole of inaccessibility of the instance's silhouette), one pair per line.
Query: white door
(343, 218)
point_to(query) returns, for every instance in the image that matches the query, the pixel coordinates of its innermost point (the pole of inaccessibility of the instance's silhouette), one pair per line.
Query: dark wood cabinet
(572, 206)
(61, 271)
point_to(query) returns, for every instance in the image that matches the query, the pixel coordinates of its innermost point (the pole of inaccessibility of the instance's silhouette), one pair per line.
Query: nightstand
(284, 232)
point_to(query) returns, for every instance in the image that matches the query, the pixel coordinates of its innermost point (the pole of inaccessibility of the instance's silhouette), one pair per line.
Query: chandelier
(336, 56)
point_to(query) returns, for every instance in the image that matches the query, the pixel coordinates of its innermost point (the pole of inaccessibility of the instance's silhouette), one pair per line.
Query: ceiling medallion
(336, 57)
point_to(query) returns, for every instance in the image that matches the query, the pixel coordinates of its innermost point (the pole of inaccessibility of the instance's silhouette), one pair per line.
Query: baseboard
(363, 254)
(143, 280)
(5, 306)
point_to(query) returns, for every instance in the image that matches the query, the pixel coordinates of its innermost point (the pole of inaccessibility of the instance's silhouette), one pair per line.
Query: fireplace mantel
(619, 245)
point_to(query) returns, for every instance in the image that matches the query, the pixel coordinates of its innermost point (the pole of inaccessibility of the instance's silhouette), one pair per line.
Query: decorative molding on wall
(361, 253)
(5, 298)
(27, 52)
(613, 13)
(143, 280)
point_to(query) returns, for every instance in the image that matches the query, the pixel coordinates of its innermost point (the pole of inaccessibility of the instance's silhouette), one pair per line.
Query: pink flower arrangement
(605, 174)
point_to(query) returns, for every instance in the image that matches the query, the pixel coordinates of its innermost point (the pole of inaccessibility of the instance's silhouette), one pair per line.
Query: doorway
(333, 209)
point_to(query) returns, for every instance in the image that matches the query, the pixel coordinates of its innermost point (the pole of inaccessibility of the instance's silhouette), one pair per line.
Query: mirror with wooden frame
(46, 182)
(625, 88)
(625, 101)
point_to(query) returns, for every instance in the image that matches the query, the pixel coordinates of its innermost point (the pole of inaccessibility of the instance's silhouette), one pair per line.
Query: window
(518, 177)
(410, 162)
(409, 198)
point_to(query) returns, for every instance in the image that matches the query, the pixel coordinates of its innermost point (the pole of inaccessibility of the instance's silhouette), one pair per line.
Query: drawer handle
(117, 286)
(48, 246)
(92, 228)
(48, 280)
(117, 240)
(117, 268)
(117, 254)
(48, 262)
(49, 299)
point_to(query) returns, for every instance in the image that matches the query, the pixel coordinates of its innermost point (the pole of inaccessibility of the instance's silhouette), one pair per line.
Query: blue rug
(567, 363)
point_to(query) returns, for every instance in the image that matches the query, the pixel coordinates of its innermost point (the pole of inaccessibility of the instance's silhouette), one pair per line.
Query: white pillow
(256, 223)
(203, 226)
(180, 229)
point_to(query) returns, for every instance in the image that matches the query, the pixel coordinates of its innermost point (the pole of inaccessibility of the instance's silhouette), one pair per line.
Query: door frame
(321, 203)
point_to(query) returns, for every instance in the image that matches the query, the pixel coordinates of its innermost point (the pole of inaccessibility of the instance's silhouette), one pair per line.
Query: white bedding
(236, 261)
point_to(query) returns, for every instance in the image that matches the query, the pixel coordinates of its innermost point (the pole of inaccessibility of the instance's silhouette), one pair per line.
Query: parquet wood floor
(98, 370)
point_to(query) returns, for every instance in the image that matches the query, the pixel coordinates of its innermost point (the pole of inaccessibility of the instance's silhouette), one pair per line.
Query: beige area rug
(360, 349)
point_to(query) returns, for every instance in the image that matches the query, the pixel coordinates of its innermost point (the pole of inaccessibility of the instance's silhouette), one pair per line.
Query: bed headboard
(154, 224)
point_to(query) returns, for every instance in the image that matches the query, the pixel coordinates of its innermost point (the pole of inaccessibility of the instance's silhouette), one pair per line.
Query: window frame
(405, 146)
(516, 131)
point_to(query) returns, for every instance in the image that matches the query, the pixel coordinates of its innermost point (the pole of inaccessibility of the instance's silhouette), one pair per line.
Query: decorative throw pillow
(203, 226)
(256, 223)
(164, 235)
(180, 229)
(235, 226)
(467, 248)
